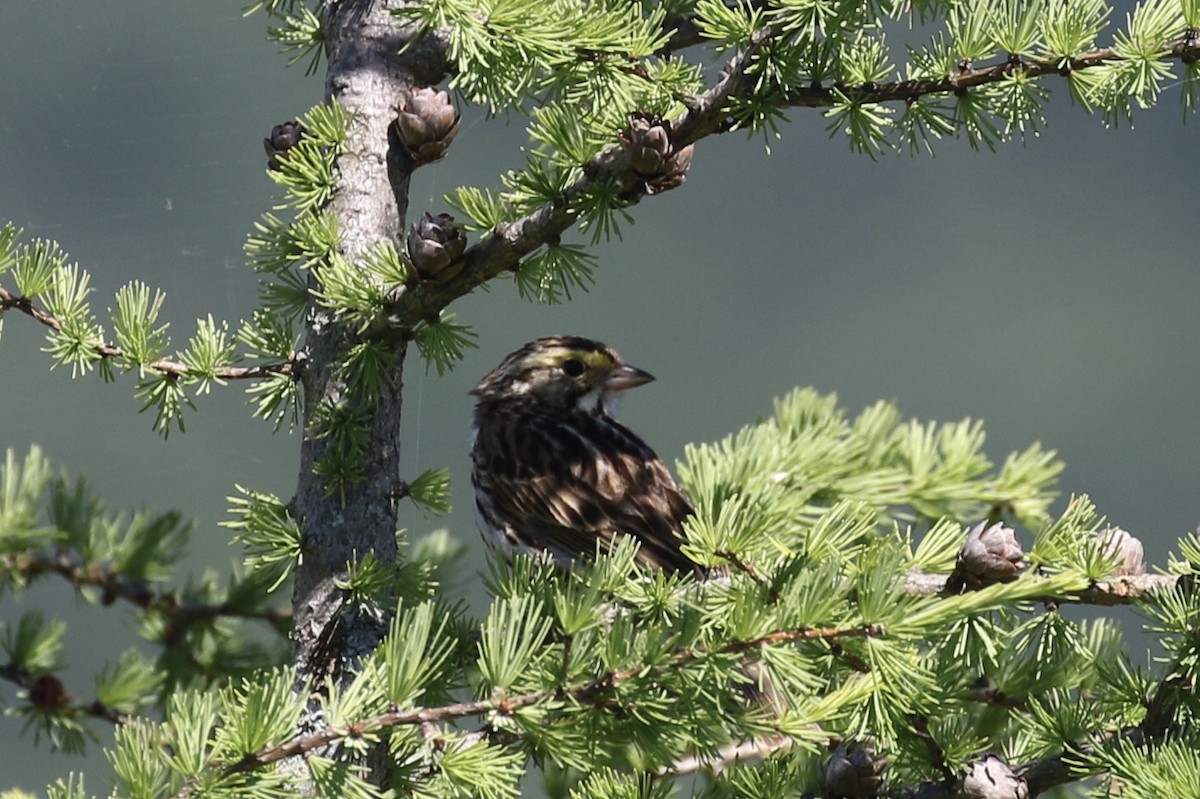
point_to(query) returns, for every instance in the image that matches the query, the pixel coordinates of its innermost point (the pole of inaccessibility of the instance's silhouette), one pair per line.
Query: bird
(554, 471)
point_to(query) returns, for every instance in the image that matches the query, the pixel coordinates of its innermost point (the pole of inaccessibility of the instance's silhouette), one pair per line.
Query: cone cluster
(284, 137)
(435, 247)
(853, 770)
(653, 155)
(991, 554)
(992, 778)
(1126, 548)
(426, 123)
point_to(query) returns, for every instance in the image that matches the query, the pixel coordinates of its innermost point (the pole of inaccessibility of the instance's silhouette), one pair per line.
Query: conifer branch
(591, 691)
(47, 695)
(1184, 49)
(165, 367)
(1041, 775)
(1063, 767)
(115, 585)
(1124, 590)
(503, 248)
(727, 757)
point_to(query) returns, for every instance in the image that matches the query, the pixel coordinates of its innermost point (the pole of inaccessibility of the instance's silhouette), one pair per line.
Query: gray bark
(366, 75)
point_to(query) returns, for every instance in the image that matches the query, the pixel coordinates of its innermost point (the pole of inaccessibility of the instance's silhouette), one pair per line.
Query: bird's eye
(572, 367)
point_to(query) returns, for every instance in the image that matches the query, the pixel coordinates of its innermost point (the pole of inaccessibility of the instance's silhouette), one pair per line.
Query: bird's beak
(626, 376)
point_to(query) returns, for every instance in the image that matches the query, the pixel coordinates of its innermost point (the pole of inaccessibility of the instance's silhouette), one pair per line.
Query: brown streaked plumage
(553, 470)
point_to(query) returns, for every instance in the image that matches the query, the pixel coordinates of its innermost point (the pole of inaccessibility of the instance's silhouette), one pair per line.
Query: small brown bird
(554, 471)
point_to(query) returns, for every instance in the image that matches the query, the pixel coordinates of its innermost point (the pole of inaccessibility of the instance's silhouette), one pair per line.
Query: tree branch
(46, 693)
(115, 585)
(1039, 775)
(727, 757)
(589, 691)
(166, 367)
(503, 248)
(1056, 770)
(1181, 49)
(1123, 590)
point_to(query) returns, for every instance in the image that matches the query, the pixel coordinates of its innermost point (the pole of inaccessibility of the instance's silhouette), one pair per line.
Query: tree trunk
(366, 75)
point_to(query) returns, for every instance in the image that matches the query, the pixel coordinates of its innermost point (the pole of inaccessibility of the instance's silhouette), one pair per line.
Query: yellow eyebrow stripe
(556, 355)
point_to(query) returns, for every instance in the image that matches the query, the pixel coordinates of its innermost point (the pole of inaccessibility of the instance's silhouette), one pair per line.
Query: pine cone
(992, 778)
(652, 155)
(676, 172)
(426, 123)
(991, 554)
(47, 692)
(1126, 548)
(284, 137)
(435, 247)
(648, 142)
(852, 771)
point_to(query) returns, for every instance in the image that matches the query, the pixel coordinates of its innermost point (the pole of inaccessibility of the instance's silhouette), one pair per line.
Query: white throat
(599, 401)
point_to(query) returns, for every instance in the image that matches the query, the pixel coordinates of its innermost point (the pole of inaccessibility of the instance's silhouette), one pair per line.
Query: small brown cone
(426, 124)
(992, 778)
(284, 137)
(653, 156)
(852, 771)
(991, 554)
(435, 247)
(1126, 548)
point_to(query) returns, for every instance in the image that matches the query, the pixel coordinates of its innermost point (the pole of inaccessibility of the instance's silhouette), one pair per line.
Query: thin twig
(167, 367)
(962, 80)
(60, 703)
(937, 755)
(747, 568)
(115, 585)
(1057, 769)
(502, 249)
(727, 757)
(1124, 590)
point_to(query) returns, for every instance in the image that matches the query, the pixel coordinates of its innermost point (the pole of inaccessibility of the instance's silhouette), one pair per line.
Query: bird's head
(562, 373)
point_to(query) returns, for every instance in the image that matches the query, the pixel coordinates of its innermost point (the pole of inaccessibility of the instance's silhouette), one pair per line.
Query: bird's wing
(573, 481)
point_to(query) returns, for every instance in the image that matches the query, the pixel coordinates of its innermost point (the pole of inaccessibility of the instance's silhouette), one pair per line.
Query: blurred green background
(1050, 289)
